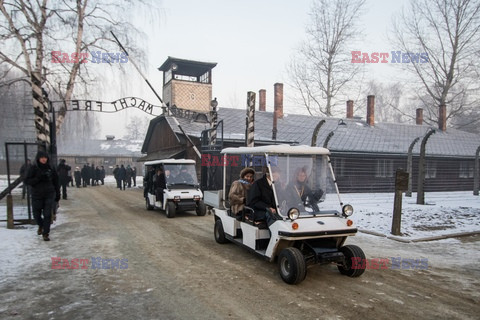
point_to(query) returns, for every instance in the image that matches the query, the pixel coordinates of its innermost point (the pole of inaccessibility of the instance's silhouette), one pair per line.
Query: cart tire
(170, 210)
(219, 233)
(292, 266)
(148, 206)
(352, 252)
(201, 208)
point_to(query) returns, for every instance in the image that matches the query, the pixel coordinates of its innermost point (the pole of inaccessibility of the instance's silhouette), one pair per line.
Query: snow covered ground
(444, 213)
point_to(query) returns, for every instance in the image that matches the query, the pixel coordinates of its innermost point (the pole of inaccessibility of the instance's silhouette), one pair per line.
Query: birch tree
(31, 31)
(322, 67)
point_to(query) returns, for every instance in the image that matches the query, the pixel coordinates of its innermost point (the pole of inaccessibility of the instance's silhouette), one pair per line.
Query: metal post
(213, 122)
(409, 166)
(10, 224)
(421, 168)
(315, 133)
(476, 173)
(401, 184)
(251, 119)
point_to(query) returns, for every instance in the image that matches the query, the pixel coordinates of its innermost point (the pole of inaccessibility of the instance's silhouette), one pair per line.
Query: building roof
(356, 137)
(102, 148)
(187, 67)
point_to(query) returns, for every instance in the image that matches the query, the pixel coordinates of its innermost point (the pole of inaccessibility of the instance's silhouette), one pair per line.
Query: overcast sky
(252, 41)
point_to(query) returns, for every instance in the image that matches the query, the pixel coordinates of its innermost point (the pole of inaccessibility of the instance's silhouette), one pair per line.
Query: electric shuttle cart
(305, 232)
(182, 191)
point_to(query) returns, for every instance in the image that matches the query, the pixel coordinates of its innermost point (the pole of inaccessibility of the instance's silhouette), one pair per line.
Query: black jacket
(43, 179)
(62, 171)
(260, 196)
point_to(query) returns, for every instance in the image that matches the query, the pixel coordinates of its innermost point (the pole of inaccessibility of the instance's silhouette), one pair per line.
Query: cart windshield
(305, 183)
(180, 175)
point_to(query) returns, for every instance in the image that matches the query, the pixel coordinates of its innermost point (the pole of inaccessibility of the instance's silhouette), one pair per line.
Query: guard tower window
(205, 78)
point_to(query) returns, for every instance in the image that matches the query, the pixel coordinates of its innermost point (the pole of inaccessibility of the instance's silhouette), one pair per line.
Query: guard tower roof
(187, 67)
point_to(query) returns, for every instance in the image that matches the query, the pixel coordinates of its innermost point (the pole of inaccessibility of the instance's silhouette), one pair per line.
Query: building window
(430, 170)
(384, 168)
(109, 161)
(339, 167)
(205, 78)
(81, 160)
(465, 170)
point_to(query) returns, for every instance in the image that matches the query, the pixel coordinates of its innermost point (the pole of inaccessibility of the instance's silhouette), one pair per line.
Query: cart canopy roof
(170, 161)
(278, 149)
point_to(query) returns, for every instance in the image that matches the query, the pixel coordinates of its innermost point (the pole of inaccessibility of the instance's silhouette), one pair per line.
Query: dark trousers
(43, 207)
(64, 184)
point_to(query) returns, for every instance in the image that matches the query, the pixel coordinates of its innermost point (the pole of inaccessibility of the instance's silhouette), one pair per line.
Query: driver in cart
(261, 199)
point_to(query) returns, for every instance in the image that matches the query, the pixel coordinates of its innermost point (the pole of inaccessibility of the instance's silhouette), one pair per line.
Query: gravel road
(176, 270)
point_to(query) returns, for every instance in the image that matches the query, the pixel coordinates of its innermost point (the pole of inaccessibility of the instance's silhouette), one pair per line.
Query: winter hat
(42, 154)
(246, 171)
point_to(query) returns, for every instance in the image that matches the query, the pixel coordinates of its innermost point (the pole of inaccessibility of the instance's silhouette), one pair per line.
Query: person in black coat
(122, 176)
(261, 199)
(78, 177)
(63, 177)
(23, 174)
(85, 175)
(159, 185)
(45, 192)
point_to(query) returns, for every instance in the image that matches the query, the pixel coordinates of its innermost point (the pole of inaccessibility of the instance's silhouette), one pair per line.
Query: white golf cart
(305, 232)
(181, 191)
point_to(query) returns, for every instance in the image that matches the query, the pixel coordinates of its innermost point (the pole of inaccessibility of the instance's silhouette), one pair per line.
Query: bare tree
(388, 107)
(448, 31)
(31, 31)
(136, 128)
(322, 67)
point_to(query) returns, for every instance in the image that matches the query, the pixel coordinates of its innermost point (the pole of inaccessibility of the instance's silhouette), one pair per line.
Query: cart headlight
(347, 210)
(293, 213)
(176, 198)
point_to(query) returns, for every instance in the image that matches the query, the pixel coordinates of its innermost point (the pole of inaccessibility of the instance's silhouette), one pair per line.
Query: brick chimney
(419, 117)
(371, 110)
(442, 118)
(278, 99)
(262, 100)
(349, 109)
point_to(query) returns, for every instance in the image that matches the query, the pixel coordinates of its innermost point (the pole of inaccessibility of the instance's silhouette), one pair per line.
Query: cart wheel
(201, 208)
(352, 252)
(218, 232)
(170, 210)
(292, 266)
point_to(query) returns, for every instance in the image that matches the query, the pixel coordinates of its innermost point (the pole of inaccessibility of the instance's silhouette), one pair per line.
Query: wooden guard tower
(187, 84)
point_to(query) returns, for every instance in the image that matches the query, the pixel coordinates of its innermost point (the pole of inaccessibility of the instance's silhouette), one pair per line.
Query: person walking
(122, 176)
(134, 176)
(78, 177)
(116, 171)
(92, 174)
(45, 192)
(23, 173)
(84, 173)
(63, 177)
(128, 176)
(102, 175)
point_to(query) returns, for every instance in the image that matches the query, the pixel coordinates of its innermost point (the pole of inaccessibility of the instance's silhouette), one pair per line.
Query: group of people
(125, 176)
(259, 194)
(89, 175)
